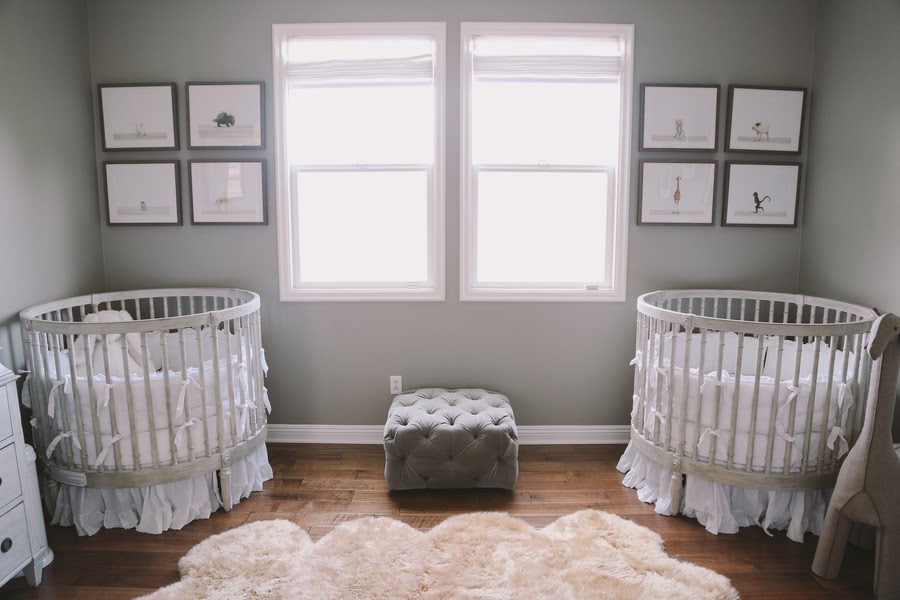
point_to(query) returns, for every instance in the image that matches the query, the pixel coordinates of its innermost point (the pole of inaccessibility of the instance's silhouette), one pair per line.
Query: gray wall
(561, 363)
(49, 222)
(851, 236)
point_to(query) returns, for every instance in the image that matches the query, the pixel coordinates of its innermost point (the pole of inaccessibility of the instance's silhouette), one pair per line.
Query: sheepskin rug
(588, 554)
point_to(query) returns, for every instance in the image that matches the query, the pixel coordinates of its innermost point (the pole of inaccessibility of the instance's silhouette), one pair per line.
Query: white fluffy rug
(588, 554)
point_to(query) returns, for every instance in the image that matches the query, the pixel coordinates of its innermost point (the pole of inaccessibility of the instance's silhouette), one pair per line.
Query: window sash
(428, 283)
(603, 284)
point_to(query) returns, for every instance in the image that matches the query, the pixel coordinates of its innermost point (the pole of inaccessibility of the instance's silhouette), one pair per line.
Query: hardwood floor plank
(321, 486)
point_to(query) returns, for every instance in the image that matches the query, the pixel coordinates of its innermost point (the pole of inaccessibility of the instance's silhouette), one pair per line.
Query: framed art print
(764, 119)
(677, 192)
(679, 117)
(228, 191)
(138, 116)
(142, 192)
(761, 194)
(225, 115)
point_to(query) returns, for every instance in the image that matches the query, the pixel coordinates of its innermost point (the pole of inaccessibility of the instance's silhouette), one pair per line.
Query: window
(545, 148)
(359, 124)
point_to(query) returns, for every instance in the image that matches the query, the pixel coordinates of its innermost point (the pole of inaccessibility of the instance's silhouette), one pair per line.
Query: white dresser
(23, 539)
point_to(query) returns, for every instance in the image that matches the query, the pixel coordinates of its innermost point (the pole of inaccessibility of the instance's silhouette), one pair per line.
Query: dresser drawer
(14, 537)
(6, 429)
(10, 484)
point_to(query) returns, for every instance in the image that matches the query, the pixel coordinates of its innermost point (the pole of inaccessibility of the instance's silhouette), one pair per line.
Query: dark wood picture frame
(785, 118)
(652, 119)
(225, 122)
(756, 197)
(143, 205)
(107, 108)
(263, 192)
(674, 161)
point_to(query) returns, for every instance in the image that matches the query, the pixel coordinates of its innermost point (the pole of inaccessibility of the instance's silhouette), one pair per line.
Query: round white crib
(149, 407)
(753, 397)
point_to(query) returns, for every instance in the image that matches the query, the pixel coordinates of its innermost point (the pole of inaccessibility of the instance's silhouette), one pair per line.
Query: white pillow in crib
(711, 355)
(807, 356)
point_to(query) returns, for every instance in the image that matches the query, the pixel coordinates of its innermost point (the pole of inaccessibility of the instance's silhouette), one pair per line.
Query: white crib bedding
(183, 389)
(724, 508)
(186, 437)
(718, 390)
(155, 509)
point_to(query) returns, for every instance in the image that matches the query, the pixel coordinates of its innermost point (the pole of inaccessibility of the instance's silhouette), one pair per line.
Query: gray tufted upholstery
(437, 438)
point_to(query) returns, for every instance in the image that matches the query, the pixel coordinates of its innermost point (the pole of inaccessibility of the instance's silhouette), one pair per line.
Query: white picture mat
(227, 192)
(778, 182)
(697, 192)
(695, 106)
(128, 185)
(138, 117)
(782, 110)
(242, 101)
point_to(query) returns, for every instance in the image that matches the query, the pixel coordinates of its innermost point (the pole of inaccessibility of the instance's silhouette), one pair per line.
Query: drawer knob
(5, 545)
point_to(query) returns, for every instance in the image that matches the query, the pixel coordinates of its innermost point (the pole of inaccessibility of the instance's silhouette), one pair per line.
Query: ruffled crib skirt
(724, 508)
(154, 509)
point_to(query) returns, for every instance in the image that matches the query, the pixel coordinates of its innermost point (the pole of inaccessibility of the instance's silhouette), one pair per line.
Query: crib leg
(676, 491)
(225, 484)
(832, 543)
(51, 491)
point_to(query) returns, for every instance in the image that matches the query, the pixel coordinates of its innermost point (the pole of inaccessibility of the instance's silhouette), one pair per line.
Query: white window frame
(432, 290)
(619, 181)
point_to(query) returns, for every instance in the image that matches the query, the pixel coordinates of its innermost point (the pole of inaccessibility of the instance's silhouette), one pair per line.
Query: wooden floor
(321, 486)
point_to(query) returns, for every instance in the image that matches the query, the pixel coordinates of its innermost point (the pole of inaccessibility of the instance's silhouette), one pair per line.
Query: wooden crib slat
(252, 376)
(861, 385)
(55, 424)
(670, 392)
(736, 398)
(638, 354)
(148, 399)
(136, 457)
(754, 406)
(87, 343)
(111, 406)
(659, 379)
(842, 421)
(61, 404)
(714, 440)
(811, 404)
(789, 446)
(182, 347)
(824, 428)
(773, 412)
(258, 370)
(695, 441)
(77, 400)
(229, 368)
(167, 383)
(217, 390)
(685, 387)
(646, 361)
(204, 410)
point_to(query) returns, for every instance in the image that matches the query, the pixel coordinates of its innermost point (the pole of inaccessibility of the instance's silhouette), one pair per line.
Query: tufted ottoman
(437, 438)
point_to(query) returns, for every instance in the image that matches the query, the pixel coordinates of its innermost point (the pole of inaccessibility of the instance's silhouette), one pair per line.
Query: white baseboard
(374, 434)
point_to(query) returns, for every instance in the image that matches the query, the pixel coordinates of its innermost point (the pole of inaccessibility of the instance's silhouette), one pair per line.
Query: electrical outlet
(396, 384)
